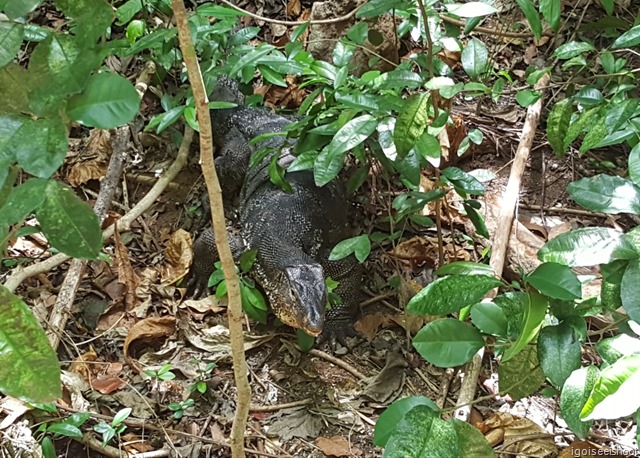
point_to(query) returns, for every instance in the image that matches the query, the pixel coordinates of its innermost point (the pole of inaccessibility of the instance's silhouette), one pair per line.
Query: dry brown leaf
(98, 151)
(516, 432)
(411, 323)
(179, 256)
(369, 325)
(107, 385)
(126, 275)
(13, 409)
(80, 366)
(416, 249)
(337, 446)
(134, 444)
(294, 8)
(149, 331)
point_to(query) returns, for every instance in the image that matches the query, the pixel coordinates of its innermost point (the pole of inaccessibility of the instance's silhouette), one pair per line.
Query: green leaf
(304, 340)
(628, 39)
(10, 41)
(596, 132)
(489, 318)
(428, 147)
(377, 7)
(465, 268)
(394, 414)
(358, 33)
(619, 114)
(634, 164)
(588, 246)
(65, 429)
(366, 102)
(121, 416)
(511, 374)
(219, 12)
(447, 342)
(450, 294)
(527, 97)
(411, 123)
(574, 395)
(359, 245)
(556, 281)
(342, 53)
(534, 311)
(14, 85)
(125, 12)
(155, 39)
(614, 348)
(272, 76)
(40, 146)
(247, 259)
(550, 10)
(471, 9)
(30, 369)
(353, 133)
(615, 393)
(48, 449)
(90, 19)
(69, 224)
(135, 29)
(559, 352)
(463, 181)
(327, 165)
(630, 290)
(572, 49)
(533, 18)
(558, 124)
(397, 79)
(23, 200)
(606, 194)
(277, 173)
(579, 125)
(18, 8)
(476, 219)
(108, 101)
(471, 442)
(422, 434)
(475, 58)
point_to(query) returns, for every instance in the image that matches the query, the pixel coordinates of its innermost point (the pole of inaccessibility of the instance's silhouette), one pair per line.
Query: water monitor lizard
(292, 232)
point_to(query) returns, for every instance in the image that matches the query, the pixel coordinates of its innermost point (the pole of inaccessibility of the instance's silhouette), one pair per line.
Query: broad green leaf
(556, 281)
(533, 18)
(253, 303)
(475, 58)
(527, 97)
(630, 290)
(447, 342)
(377, 7)
(615, 393)
(40, 146)
(90, 19)
(108, 101)
(247, 259)
(550, 10)
(366, 102)
(511, 374)
(48, 449)
(272, 76)
(634, 165)
(579, 125)
(244, 35)
(450, 294)
(342, 53)
(534, 311)
(397, 79)
(588, 246)
(596, 132)
(489, 318)
(409, 168)
(439, 82)
(360, 246)
(23, 200)
(18, 8)
(608, 6)
(513, 305)
(619, 114)
(606, 194)
(476, 219)
(277, 173)
(128, 10)
(628, 39)
(9, 128)
(155, 39)
(14, 86)
(10, 40)
(471, 9)
(393, 415)
(327, 165)
(135, 29)
(558, 124)
(422, 434)
(463, 181)
(69, 224)
(614, 348)
(575, 393)
(465, 268)
(30, 369)
(218, 11)
(428, 147)
(251, 57)
(358, 33)
(559, 352)
(572, 49)
(324, 69)
(411, 123)
(65, 429)
(471, 442)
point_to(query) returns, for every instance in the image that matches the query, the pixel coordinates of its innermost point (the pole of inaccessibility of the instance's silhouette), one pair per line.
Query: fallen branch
(501, 239)
(234, 310)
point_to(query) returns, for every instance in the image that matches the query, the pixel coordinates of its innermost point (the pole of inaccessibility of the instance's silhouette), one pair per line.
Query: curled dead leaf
(179, 256)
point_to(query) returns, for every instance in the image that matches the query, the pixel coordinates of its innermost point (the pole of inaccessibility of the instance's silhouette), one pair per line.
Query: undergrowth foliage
(394, 120)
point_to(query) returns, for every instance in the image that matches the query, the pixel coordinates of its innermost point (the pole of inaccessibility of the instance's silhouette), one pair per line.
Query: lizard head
(307, 299)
